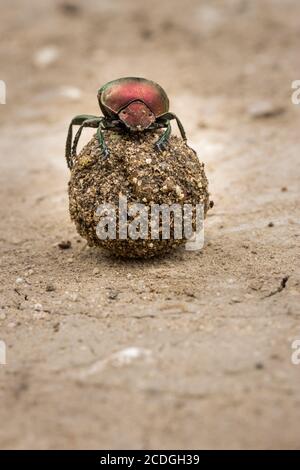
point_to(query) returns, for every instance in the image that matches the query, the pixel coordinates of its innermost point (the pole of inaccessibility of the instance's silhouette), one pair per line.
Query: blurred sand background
(192, 350)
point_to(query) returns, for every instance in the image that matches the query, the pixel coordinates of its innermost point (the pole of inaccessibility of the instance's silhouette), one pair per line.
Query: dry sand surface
(188, 351)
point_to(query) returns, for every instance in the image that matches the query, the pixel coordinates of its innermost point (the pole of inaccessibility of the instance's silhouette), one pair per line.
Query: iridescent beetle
(131, 103)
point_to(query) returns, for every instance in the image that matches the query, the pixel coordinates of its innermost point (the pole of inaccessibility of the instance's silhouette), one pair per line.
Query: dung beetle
(131, 103)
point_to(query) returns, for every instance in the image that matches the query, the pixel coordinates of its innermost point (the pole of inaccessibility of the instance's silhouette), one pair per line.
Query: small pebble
(38, 307)
(73, 296)
(236, 300)
(64, 245)
(113, 295)
(70, 92)
(46, 56)
(50, 288)
(264, 109)
(69, 8)
(259, 366)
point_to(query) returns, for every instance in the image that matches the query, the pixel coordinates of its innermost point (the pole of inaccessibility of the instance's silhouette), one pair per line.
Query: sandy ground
(212, 330)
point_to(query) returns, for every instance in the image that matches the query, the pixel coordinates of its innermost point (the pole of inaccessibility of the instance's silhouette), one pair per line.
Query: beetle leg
(111, 124)
(76, 121)
(179, 124)
(157, 125)
(164, 138)
(102, 144)
(87, 123)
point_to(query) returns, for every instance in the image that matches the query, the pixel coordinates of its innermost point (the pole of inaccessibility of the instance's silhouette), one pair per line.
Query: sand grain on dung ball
(135, 170)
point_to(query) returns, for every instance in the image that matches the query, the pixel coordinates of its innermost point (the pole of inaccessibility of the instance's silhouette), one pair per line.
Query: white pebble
(73, 296)
(46, 56)
(260, 109)
(70, 92)
(38, 307)
(127, 355)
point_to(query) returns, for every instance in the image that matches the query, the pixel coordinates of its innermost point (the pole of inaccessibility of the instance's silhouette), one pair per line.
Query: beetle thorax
(137, 116)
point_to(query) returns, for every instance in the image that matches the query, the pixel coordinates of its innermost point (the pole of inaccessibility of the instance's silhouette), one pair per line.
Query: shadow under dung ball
(136, 171)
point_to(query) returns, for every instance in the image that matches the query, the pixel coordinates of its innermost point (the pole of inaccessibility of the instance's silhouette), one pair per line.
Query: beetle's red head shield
(137, 116)
(138, 96)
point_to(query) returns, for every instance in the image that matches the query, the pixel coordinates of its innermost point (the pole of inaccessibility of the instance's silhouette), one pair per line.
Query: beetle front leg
(76, 121)
(162, 142)
(86, 123)
(179, 124)
(102, 144)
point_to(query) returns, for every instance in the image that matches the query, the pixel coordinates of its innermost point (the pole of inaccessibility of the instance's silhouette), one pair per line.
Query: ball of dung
(134, 173)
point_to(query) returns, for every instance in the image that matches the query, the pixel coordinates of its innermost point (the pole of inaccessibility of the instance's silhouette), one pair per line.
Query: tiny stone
(2, 316)
(50, 288)
(11, 325)
(46, 56)
(96, 271)
(19, 280)
(70, 92)
(113, 294)
(69, 8)
(38, 307)
(236, 300)
(271, 224)
(73, 296)
(259, 366)
(264, 109)
(65, 245)
(29, 272)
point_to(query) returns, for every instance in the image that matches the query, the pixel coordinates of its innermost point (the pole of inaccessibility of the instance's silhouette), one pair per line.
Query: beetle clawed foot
(161, 146)
(104, 153)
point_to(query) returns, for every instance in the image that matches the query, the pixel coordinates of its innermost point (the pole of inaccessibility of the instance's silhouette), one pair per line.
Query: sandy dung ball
(134, 173)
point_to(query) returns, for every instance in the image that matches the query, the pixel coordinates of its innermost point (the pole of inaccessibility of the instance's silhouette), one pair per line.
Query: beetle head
(137, 116)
